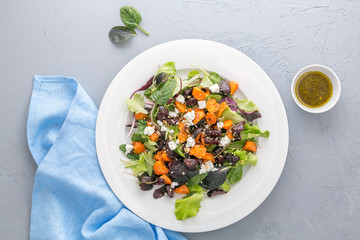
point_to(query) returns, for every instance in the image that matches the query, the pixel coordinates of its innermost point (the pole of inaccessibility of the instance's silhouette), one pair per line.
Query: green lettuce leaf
(252, 132)
(195, 188)
(216, 96)
(141, 125)
(140, 168)
(136, 104)
(225, 186)
(233, 116)
(246, 105)
(168, 68)
(205, 82)
(188, 206)
(193, 73)
(149, 161)
(245, 157)
(251, 159)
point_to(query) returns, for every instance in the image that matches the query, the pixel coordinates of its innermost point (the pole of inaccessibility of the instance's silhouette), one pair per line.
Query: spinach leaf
(235, 174)
(216, 96)
(121, 34)
(215, 78)
(164, 92)
(195, 180)
(138, 137)
(141, 125)
(237, 144)
(131, 18)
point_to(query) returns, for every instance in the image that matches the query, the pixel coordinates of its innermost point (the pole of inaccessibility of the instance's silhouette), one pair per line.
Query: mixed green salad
(190, 136)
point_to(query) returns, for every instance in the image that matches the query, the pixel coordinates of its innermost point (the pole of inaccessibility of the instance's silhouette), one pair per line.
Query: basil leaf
(131, 18)
(121, 34)
(164, 92)
(235, 174)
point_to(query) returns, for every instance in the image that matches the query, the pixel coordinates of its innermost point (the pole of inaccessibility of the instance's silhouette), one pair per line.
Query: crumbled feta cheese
(128, 148)
(214, 88)
(174, 184)
(177, 141)
(172, 114)
(224, 141)
(220, 125)
(190, 142)
(171, 131)
(208, 166)
(202, 104)
(149, 130)
(160, 123)
(164, 129)
(190, 117)
(177, 111)
(172, 145)
(180, 99)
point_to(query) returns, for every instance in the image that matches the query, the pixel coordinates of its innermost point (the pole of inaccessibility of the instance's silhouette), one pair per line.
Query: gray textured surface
(318, 194)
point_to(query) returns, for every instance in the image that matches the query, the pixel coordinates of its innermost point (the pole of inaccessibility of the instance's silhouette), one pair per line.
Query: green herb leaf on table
(131, 17)
(121, 34)
(188, 206)
(136, 104)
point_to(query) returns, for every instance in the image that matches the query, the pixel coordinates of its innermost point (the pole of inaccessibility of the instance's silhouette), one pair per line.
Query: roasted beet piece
(191, 163)
(196, 131)
(237, 129)
(211, 141)
(220, 159)
(172, 121)
(178, 171)
(146, 183)
(158, 193)
(188, 92)
(212, 132)
(224, 87)
(215, 192)
(232, 159)
(162, 113)
(191, 101)
(169, 191)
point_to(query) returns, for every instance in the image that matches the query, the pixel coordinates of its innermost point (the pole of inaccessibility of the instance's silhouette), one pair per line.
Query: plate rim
(285, 129)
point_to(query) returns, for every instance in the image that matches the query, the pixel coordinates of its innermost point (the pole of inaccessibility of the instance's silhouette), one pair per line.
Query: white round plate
(244, 196)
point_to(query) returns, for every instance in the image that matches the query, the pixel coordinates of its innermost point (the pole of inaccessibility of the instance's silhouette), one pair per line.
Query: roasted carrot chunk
(181, 126)
(167, 180)
(233, 87)
(180, 106)
(212, 106)
(165, 157)
(182, 190)
(210, 118)
(182, 137)
(160, 168)
(158, 156)
(154, 137)
(223, 106)
(230, 135)
(138, 147)
(198, 151)
(250, 146)
(140, 116)
(199, 114)
(209, 157)
(198, 94)
(227, 124)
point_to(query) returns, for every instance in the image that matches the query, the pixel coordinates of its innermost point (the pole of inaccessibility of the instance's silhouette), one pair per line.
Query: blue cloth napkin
(71, 199)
